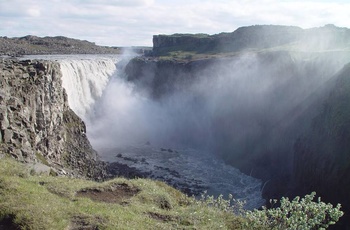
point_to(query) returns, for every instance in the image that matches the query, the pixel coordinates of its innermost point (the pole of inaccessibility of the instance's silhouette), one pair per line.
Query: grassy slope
(46, 202)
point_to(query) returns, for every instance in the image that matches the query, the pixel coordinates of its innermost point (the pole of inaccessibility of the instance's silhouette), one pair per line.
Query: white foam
(85, 80)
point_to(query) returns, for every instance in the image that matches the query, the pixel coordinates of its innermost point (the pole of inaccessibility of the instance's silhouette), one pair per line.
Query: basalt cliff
(322, 152)
(37, 125)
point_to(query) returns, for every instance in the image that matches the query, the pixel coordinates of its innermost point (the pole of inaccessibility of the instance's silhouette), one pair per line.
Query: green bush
(229, 205)
(298, 214)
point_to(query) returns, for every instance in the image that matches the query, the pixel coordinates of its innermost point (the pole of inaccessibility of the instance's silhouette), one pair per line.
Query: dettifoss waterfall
(128, 126)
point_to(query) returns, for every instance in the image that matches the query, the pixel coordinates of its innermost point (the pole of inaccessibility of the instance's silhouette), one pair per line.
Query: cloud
(133, 22)
(33, 12)
(119, 3)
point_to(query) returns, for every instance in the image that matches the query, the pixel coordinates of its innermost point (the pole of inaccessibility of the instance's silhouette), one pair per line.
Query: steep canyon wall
(322, 154)
(37, 125)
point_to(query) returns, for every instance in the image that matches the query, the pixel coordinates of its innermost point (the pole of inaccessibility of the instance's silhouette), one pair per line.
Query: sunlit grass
(47, 202)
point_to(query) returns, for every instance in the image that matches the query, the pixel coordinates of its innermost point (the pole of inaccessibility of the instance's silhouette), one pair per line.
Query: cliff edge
(37, 126)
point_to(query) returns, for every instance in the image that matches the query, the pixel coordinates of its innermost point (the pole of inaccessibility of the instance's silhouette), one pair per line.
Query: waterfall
(85, 80)
(148, 135)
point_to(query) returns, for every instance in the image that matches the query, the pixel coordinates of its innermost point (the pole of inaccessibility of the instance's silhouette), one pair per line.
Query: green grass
(187, 56)
(42, 159)
(46, 202)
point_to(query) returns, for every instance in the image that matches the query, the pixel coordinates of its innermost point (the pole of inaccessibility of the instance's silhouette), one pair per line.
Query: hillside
(34, 201)
(33, 45)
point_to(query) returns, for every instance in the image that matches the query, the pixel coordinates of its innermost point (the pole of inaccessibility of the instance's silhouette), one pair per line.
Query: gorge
(274, 105)
(128, 127)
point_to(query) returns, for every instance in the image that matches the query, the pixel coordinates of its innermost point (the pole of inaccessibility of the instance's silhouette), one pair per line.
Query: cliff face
(161, 78)
(322, 154)
(36, 123)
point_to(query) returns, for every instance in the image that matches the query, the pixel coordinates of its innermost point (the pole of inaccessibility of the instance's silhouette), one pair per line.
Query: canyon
(272, 101)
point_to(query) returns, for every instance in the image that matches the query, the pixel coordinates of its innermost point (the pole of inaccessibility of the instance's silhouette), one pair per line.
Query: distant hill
(252, 38)
(32, 45)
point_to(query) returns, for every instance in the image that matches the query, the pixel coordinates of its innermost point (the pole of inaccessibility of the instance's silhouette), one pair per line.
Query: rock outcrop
(36, 122)
(33, 45)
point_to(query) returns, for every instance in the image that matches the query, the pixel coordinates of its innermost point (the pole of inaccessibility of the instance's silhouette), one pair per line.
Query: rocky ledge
(36, 124)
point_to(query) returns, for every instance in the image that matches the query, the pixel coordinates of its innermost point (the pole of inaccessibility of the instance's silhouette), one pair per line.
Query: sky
(134, 22)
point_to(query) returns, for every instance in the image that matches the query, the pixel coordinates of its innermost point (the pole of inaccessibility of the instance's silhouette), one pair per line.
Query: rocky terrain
(37, 126)
(33, 45)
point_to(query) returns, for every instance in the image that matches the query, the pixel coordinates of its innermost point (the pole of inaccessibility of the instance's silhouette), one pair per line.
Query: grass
(42, 159)
(187, 56)
(47, 202)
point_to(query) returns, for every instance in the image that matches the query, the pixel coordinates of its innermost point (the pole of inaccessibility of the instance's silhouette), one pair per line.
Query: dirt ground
(117, 193)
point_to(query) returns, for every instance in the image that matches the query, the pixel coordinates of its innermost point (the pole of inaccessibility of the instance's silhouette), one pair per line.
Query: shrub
(229, 205)
(297, 214)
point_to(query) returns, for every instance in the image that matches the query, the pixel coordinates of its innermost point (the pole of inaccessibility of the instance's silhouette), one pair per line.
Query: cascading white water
(84, 81)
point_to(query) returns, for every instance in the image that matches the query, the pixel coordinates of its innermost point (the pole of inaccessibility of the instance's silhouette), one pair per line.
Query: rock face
(322, 154)
(164, 77)
(36, 123)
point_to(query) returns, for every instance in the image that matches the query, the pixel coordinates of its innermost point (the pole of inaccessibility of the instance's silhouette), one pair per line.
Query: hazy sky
(133, 22)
